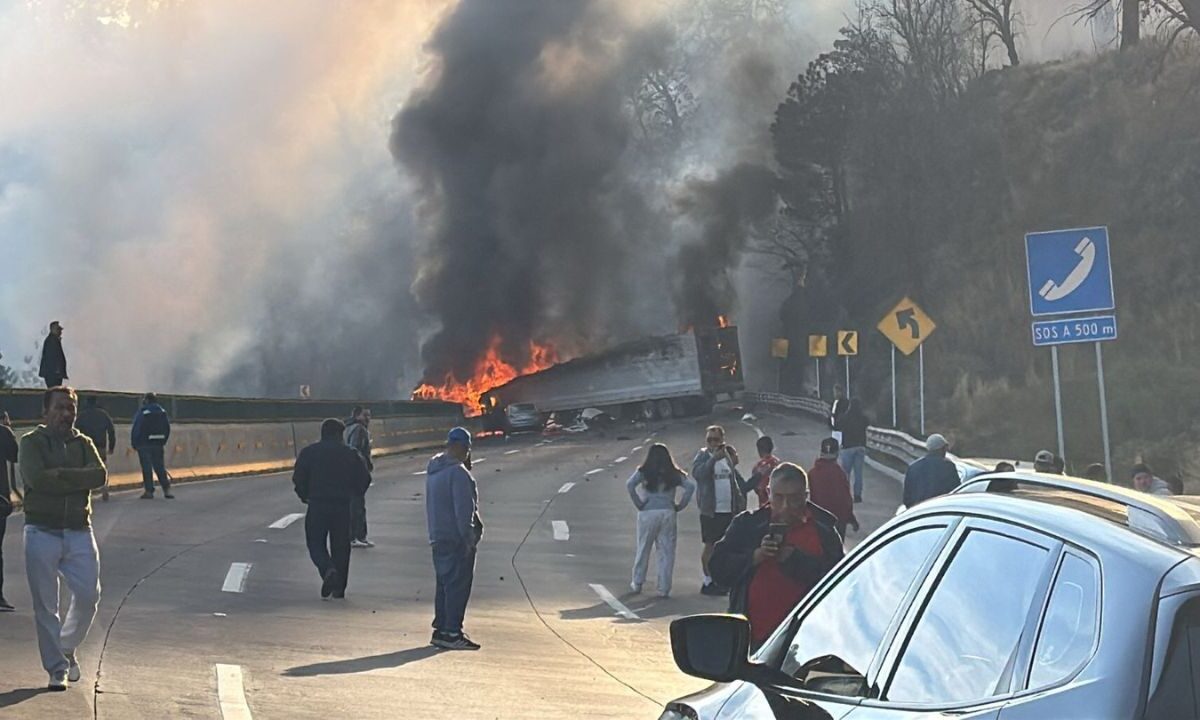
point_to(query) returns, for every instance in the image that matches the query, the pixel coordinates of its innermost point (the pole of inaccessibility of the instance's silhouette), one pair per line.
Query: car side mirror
(712, 647)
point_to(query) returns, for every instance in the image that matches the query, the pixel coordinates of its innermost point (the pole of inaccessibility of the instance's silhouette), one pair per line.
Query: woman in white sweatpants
(654, 489)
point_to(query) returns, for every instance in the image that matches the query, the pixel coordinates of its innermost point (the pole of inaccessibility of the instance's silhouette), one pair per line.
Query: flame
(722, 321)
(491, 371)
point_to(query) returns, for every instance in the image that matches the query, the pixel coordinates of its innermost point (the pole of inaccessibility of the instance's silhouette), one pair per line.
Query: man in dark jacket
(358, 436)
(54, 361)
(932, 475)
(769, 573)
(97, 424)
(853, 424)
(328, 476)
(151, 430)
(8, 454)
(830, 489)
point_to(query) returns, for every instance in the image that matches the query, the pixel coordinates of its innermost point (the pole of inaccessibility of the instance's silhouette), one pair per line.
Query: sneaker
(439, 639)
(366, 543)
(73, 672)
(663, 595)
(5, 606)
(168, 496)
(713, 589)
(458, 642)
(635, 588)
(329, 583)
(858, 498)
(358, 544)
(58, 683)
(338, 595)
(147, 496)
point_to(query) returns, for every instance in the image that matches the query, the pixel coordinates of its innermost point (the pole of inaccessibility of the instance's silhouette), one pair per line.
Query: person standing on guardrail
(8, 454)
(60, 468)
(932, 475)
(327, 477)
(358, 436)
(658, 480)
(97, 424)
(853, 424)
(151, 430)
(53, 368)
(829, 488)
(719, 495)
(455, 529)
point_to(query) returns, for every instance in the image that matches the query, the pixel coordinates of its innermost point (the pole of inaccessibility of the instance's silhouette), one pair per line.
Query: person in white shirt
(720, 495)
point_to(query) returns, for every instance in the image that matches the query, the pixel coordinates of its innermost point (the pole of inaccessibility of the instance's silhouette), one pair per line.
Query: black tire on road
(648, 411)
(665, 411)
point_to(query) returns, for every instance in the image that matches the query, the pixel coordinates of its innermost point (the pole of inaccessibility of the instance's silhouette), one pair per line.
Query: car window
(967, 635)
(1069, 627)
(1177, 696)
(846, 626)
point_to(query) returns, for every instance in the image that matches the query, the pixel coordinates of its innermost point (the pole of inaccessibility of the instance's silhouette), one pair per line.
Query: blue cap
(459, 436)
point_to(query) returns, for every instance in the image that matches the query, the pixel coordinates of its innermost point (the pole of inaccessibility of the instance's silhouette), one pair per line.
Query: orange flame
(491, 371)
(722, 321)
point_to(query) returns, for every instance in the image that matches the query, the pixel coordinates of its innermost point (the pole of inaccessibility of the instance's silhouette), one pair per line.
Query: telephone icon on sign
(1052, 291)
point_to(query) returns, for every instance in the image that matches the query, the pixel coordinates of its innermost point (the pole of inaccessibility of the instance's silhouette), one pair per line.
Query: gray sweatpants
(73, 556)
(656, 528)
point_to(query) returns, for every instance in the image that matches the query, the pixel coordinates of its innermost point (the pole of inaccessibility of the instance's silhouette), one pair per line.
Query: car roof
(1092, 515)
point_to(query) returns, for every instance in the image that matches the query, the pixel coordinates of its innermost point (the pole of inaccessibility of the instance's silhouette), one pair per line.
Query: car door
(960, 648)
(835, 640)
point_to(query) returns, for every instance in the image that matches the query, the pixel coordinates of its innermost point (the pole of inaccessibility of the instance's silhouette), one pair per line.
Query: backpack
(155, 425)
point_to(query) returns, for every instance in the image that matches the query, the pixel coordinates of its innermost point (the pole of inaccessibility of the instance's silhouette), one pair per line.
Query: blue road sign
(1069, 271)
(1074, 330)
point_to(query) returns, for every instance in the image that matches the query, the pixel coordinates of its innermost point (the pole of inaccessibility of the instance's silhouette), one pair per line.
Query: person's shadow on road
(16, 697)
(363, 664)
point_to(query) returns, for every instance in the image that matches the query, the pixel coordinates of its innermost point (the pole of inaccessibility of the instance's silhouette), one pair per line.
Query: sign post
(847, 347)
(908, 327)
(1070, 272)
(818, 347)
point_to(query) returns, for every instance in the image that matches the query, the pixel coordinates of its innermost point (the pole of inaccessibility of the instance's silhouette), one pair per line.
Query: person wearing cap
(328, 476)
(1043, 462)
(455, 529)
(932, 475)
(1145, 480)
(54, 361)
(828, 487)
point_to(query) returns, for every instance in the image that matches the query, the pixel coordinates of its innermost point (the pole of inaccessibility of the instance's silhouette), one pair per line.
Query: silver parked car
(1018, 597)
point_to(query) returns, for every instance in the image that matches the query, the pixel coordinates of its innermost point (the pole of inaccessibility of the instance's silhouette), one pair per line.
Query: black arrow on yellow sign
(907, 318)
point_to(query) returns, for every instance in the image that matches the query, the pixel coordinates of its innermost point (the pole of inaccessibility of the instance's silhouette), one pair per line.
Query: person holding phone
(654, 489)
(720, 494)
(772, 557)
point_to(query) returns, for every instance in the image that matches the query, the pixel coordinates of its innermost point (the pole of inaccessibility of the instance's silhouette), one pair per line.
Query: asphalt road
(183, 633)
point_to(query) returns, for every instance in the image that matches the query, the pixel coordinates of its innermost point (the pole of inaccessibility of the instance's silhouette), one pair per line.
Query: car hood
(745, 701)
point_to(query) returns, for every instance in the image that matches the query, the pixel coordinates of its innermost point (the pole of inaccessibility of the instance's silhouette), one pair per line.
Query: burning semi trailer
(645, 379)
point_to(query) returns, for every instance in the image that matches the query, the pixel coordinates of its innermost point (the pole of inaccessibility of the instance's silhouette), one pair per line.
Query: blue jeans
(852, 461)
(455, 568)
(152, 461)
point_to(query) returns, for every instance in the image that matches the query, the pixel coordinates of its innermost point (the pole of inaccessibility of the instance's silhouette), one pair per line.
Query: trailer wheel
(664, 409)
(647, 410)
(679, 407)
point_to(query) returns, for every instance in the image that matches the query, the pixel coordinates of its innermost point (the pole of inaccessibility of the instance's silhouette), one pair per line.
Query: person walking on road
(773, 556)
(853, 424)
(932, 475)
(1145, 480)
(97, 424)
(837, 409)
(60, 468)
(829, 488)
(8, 454)
(327, 477)
(718, 494)
(151, 430)
(358, 436)
(654, 490)
(760, 475)
(455, 529)
(53, 367)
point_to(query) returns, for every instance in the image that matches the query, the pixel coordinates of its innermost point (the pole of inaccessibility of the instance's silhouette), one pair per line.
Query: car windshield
(522, 409)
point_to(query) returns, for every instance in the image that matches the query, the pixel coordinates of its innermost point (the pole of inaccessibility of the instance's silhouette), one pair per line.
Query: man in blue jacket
(452, 512)
(932, 475)
(151, 430)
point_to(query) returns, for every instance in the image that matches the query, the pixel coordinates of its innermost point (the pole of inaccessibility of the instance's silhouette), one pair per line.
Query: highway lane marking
(636, 449)
(512, 452)
(418, 474)
(286, 520)
(235, 579)
(593, 472)
(561, 530)
(480, 460)
(231, 693)
(613, 602)
(566, 488)
(621, 459)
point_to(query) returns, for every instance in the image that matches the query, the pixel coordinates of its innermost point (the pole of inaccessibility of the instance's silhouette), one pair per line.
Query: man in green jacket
(60, 467)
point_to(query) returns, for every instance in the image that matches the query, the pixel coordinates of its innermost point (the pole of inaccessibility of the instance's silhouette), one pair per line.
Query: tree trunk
(1131, 23)
(1010, 42)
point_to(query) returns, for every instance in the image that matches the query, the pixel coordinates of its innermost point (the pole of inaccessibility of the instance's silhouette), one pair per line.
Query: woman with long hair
(655, 489)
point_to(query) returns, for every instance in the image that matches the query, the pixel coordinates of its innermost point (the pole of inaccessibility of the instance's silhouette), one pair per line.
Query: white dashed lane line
(621, 459)
(566, 488)
(231, 694)
(512, 452)
(286, 520)
(594, 472)
(561, 530)
(235, 579)
(614, 603)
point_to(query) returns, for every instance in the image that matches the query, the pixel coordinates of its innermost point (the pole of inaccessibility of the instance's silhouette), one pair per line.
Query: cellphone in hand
(778, 531)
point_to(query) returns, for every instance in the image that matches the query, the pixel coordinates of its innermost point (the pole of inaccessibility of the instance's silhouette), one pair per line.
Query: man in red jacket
(830, 488)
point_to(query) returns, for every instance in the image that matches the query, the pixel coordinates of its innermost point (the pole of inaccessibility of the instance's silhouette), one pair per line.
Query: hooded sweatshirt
(451, 502)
